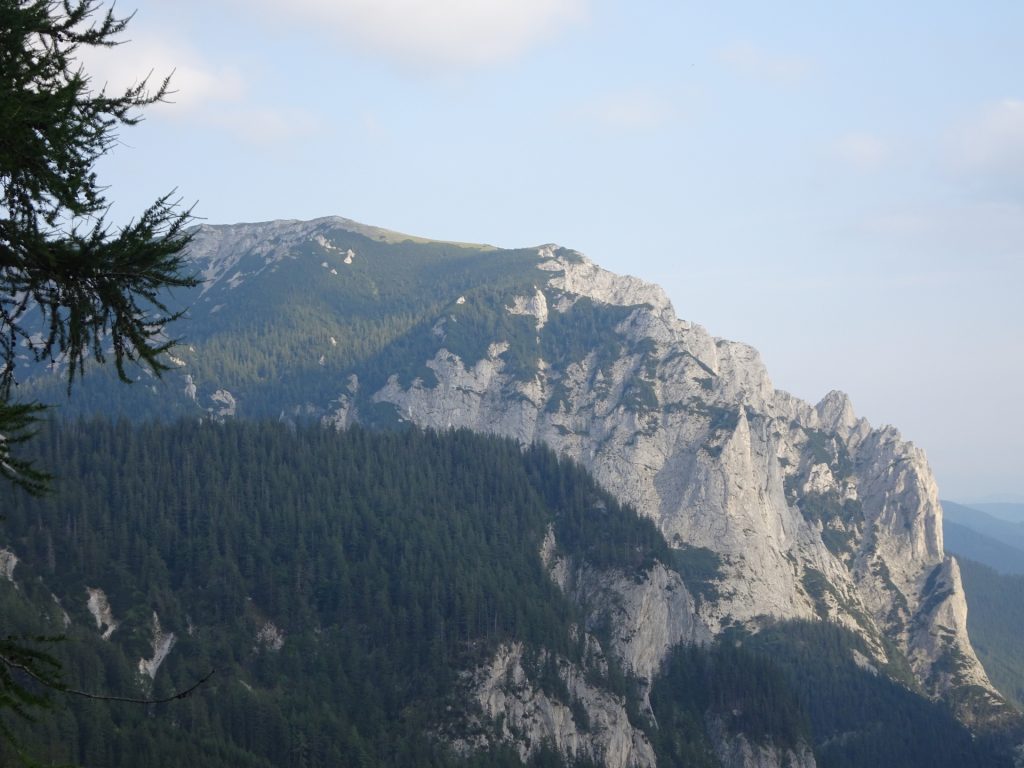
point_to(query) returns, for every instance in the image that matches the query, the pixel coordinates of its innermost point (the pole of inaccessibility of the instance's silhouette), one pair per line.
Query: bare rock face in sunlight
(530, 717)
(652, 613)
(812, 511)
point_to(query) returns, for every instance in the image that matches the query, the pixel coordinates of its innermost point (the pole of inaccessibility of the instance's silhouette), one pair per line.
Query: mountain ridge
(812, 513)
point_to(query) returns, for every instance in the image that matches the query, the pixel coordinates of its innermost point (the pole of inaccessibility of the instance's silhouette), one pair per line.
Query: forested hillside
(340, 585)
(337, 583)
(283, 320)
(996, 621)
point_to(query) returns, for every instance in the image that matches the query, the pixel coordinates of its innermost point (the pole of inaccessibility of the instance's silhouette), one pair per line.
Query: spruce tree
(72, 287)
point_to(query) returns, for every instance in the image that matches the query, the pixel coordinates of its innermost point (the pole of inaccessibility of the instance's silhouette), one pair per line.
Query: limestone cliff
(812, 511)
(739, 752)
(581, 721)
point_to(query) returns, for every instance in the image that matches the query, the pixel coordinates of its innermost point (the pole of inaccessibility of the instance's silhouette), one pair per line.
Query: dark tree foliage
(389, 561)
(858, 718)
(71, 288)
(996, 624)
(739, 691)
(798, 681)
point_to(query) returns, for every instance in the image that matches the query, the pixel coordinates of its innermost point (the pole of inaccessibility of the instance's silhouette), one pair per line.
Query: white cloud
(863, 151)
(755, 62)
(201, 92)
(994, 139)
(194, 82)
(442, 34)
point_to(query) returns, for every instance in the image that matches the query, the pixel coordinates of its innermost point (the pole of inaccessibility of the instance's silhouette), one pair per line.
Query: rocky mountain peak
(836, 412)
(579, 276)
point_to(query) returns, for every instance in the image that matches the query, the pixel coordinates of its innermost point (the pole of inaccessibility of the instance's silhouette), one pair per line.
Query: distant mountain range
(996, 541)
(1005, 510)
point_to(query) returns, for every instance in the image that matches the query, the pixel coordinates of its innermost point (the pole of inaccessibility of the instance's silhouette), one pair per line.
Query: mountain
(1005, 510)
(965, 542)
(1009, 533)
(787, 511)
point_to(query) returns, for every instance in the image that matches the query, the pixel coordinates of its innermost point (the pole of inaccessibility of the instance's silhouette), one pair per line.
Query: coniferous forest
(996, 602)
(340, 585)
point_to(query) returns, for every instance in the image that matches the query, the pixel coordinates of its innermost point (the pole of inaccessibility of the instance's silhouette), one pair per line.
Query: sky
(840, 187)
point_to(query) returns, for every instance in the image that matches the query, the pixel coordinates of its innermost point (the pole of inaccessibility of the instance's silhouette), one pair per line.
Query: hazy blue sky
(842, 187)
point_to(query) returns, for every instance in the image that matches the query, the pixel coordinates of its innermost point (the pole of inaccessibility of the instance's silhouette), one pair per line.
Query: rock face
(738, 752)
(590, 723)
(651, 614)
(99, 607)
(162, 642)
(813, 512)
(8, 562)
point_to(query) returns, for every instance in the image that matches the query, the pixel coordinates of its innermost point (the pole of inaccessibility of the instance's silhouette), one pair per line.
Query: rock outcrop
(162, 642)
(8, 562)
(580, 721)
(736, 751)
(99, 607)
(652, 613)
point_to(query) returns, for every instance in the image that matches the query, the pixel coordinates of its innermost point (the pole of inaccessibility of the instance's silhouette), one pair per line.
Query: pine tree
(71, 287)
